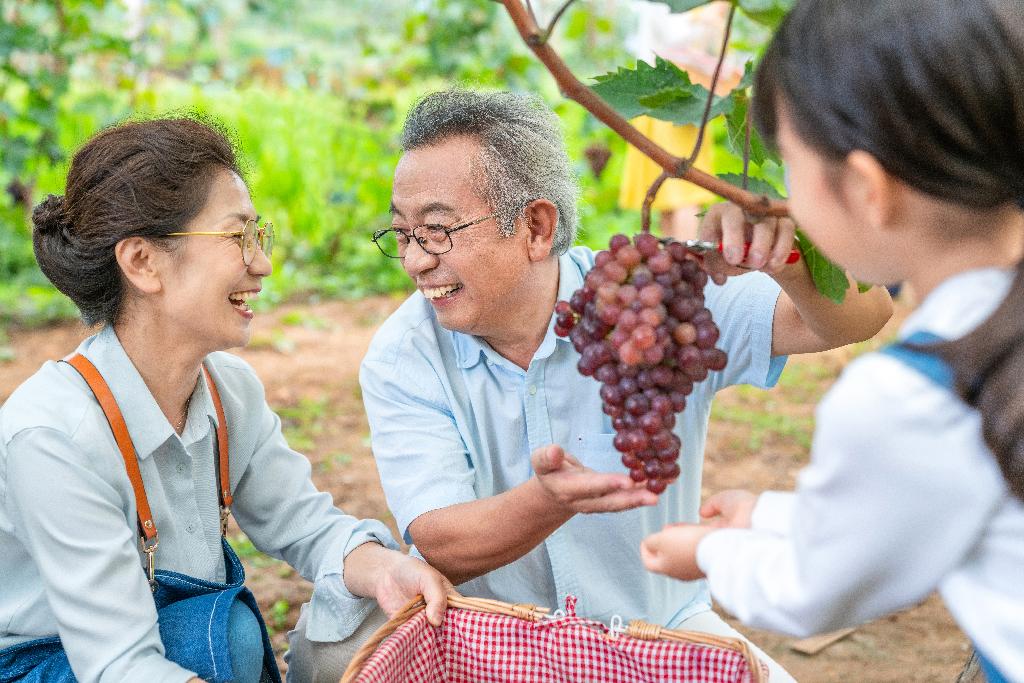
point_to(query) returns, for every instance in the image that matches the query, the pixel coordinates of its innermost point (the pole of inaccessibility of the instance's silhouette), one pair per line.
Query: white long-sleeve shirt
(901, 498)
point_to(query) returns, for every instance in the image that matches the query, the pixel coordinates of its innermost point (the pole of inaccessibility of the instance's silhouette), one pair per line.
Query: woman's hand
(771, 241)
(393, 579)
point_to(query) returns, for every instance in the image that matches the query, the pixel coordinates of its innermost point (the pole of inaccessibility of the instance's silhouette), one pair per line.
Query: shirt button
(180, 468)
(191, 528)
(533, 389)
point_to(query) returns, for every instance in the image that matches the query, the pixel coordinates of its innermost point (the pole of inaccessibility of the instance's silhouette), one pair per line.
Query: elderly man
(467, 379)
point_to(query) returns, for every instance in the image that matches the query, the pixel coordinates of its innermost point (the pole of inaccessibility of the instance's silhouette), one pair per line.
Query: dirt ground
(308, 358)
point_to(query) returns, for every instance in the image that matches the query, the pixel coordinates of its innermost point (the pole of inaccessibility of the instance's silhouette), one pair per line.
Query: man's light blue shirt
(453, 421)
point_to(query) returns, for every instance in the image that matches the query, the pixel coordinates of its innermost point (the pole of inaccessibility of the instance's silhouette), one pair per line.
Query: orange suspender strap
(147, 528)
(224, 481)
(107, 402)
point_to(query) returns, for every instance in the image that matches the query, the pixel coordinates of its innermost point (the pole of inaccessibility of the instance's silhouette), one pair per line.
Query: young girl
(120, 467)
(902, 126)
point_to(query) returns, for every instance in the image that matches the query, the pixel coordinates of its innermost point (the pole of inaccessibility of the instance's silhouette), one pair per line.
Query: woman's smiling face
(208, 284)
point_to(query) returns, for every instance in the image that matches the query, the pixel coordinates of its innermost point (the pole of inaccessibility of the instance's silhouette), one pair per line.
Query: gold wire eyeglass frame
(252, 234)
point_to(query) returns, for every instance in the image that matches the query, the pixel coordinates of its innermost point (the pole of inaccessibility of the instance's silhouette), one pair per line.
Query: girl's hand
(729, 509)
(673, 551)
(393, 579)
(771, 241)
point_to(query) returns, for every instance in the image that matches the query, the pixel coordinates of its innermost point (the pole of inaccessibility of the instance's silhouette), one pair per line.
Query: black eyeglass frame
(421, 241)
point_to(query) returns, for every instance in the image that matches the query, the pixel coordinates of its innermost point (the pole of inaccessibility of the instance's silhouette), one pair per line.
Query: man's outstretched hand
(579, 489)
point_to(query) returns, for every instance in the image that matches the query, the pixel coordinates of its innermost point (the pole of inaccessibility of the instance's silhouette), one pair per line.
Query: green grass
(276, 618)
(805, 382)
(303, 422)
(332, 462)
(757, 410)
(244, 548)
(299, 318)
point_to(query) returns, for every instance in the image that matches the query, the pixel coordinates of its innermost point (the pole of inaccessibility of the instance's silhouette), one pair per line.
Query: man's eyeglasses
(252, 235)
(433, 239)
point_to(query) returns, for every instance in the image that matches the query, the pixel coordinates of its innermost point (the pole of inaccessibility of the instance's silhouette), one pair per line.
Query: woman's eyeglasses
(252, 235)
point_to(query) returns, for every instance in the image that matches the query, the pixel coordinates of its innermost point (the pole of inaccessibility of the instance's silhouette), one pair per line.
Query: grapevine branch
(645, 211)
(711, 90)
(674, 167)
(529, 6)
(554, 20)
(746, 149)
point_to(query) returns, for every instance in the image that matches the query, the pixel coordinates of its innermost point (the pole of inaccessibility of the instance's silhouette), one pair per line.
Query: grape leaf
(767, 12)
(664, 98)
(662, 91)
(829, 279)
(736, 123)
(755, 185)
(683, 5)
(736, 129)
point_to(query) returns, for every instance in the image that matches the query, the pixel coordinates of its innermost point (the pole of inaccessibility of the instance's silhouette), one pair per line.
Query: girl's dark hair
(934, 90)
(136, 179)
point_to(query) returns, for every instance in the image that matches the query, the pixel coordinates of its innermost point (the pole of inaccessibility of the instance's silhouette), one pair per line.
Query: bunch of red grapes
(641, 328)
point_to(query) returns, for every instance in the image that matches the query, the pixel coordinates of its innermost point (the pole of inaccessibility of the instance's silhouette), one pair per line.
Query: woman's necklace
(180, 425)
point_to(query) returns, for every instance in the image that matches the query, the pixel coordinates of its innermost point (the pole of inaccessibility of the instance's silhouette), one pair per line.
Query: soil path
(308, 358)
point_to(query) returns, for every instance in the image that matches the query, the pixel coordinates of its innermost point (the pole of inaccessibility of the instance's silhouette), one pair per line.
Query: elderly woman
(120, 465)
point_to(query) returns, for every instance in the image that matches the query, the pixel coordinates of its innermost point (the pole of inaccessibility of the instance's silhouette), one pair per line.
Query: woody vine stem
(673, 167)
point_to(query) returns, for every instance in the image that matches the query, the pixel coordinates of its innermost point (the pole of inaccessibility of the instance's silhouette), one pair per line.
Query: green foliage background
(315, 93)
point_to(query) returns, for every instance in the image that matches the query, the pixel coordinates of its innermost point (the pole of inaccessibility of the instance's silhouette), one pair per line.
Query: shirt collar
(470, 350)
(147, 425)
(960, 303)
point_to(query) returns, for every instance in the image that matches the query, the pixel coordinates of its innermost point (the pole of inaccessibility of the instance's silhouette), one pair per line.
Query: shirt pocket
(596, 451)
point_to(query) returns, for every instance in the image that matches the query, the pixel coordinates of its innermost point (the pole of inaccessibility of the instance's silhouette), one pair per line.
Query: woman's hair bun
(50, 216)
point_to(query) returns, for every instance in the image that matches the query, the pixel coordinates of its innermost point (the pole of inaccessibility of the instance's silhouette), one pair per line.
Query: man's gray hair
(522, 153)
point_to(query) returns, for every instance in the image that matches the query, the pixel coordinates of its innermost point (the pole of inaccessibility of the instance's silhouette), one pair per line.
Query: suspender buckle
(225, 515)
(149, 549)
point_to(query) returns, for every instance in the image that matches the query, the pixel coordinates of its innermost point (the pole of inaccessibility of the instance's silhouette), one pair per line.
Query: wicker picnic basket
(487, 640)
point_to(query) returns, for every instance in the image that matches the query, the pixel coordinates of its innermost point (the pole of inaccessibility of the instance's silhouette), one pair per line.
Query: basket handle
(640, 630)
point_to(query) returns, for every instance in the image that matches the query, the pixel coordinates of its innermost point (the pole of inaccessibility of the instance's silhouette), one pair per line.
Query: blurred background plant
(315, 93)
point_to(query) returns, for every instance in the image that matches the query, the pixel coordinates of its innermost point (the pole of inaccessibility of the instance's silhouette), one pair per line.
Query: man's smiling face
(472, 287)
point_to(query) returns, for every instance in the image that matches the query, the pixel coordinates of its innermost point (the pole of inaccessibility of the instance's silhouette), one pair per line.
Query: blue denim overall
(200, 621)
(935, 369)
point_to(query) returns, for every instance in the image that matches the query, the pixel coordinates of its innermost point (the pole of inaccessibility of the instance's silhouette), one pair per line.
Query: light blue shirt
(452, 421)
(69, 552)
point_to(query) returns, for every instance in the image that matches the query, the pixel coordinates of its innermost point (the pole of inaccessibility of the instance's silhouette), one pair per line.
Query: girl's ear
(141, 262)
(870, 187)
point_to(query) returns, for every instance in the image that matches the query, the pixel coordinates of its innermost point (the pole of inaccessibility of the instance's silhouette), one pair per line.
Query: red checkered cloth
(477, 647)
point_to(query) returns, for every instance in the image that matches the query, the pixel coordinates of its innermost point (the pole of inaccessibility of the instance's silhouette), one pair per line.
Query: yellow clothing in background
(640, 172)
